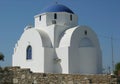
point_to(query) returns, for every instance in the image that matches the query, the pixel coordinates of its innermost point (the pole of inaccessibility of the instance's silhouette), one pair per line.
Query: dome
(57, 8)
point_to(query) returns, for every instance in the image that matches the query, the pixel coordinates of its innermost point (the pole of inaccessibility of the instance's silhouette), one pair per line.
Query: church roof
(57, 8)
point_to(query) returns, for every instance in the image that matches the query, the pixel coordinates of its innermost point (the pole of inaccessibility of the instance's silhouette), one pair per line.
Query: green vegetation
(1, 57)
(117, 68)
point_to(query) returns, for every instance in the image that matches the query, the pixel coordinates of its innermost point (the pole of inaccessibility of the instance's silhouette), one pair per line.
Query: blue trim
(57, 8)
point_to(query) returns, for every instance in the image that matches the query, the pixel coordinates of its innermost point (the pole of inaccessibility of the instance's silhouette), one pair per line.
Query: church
(57, 44)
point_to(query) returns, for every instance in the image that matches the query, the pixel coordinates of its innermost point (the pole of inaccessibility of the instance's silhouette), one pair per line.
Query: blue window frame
(29, 53)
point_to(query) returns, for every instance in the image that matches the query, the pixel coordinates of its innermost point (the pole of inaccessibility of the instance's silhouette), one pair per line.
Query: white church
(57, 44)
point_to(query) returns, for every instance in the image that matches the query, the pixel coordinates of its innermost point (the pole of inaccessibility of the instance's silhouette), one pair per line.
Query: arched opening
(40, 18)
(71, 17)
(85, 32)
(29, 53)
(85, 42)
(55, 16)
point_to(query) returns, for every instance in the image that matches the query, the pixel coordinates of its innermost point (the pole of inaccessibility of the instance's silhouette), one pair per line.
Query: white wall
(30, 37)
(80, 52)
(63, 18)
(83, 60)
(88, 60)
(49, 60)
(40, 23)
(62, 53)
(91, 39)
(74, 60)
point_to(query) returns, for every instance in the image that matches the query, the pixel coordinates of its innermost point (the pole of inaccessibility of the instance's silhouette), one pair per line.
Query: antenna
(112, 54)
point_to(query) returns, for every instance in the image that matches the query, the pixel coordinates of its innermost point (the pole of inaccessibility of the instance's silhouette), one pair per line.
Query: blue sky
(103, 16)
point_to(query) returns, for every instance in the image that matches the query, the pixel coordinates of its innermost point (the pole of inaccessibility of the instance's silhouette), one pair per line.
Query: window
(29, 53)
(40, 18)
(55, 16)
(71, 17)
(85, 32)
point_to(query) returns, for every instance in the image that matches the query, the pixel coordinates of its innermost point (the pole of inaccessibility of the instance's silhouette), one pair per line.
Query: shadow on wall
(58, 67)
(57, 63)
(52, 61)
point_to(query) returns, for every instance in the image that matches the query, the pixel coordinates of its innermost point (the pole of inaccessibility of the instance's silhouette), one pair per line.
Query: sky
(103, 16)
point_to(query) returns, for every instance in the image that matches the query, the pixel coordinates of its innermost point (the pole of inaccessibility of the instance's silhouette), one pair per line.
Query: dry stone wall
(16, 75)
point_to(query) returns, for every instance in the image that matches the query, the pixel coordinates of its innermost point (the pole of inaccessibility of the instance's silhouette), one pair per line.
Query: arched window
(55, 16)
(29, 53)
(40, 18)
(71, 17)
(85, 32)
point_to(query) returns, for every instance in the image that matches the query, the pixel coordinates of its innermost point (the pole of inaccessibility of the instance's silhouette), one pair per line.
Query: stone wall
(16, 75)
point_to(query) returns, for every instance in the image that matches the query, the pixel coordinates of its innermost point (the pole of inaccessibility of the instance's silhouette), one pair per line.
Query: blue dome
(57, 8)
